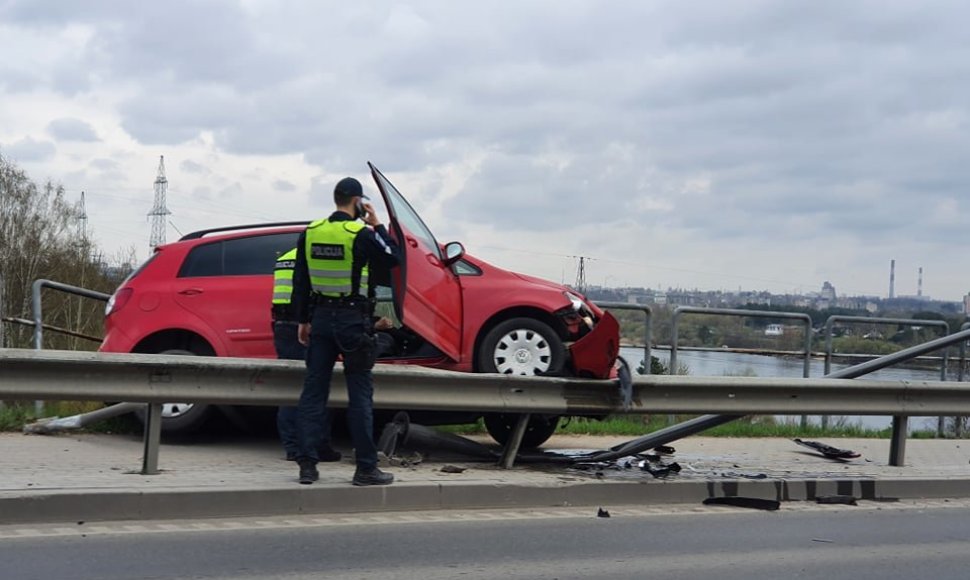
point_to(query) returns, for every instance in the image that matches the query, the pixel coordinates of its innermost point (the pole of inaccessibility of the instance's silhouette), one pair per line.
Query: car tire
(181, 418)
(539, 429)
(522, 346)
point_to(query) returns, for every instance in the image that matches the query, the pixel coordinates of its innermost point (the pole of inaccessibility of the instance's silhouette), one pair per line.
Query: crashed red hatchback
(208, 294)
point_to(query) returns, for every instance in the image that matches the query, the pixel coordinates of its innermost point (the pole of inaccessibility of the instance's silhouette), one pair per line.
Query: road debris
(828, 451)
(836, 499)
(745, 502)
(602, 513)
(452, 469)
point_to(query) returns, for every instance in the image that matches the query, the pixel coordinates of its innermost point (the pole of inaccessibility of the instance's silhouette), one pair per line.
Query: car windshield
(405, 214)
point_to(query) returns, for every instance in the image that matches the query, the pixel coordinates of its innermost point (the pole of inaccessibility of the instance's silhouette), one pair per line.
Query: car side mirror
(454, 251)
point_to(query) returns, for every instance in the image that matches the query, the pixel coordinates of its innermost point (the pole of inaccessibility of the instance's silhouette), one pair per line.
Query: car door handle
(412, 242)
(190, 291)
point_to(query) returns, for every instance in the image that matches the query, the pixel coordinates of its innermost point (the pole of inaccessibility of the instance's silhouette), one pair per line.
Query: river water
(723, 363)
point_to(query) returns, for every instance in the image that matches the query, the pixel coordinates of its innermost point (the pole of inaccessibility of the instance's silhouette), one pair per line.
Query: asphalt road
(872, 541)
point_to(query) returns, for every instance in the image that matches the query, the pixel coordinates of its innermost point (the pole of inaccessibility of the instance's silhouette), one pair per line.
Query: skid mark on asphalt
(12, 532)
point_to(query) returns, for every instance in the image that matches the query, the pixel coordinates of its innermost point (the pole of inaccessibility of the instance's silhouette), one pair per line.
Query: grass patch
(14, 415)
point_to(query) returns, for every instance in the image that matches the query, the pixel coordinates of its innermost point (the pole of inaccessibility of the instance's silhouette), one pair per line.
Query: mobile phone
(361, 210)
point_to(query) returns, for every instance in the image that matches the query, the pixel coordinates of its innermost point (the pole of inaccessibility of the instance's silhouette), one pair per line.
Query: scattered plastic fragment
(745, 502)
(665, 449)
(828, 451)
(823, 540)
(602, 513)
(662, 471)
(452, 469)
(739, 475)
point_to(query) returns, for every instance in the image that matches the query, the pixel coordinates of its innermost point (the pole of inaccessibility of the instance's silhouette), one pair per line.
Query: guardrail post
(515, 441)
(153, 436)
(897, 445)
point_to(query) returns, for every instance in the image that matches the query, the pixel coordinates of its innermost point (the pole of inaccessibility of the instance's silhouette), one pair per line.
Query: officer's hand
(371, 218)
(303, 333)
(383, 323)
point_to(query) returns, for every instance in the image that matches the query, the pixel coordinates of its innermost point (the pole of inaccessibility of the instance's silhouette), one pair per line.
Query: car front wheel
(537, 431)
(522, 346)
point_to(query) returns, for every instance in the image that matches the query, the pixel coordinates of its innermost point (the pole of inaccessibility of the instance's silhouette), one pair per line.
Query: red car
(209, 293)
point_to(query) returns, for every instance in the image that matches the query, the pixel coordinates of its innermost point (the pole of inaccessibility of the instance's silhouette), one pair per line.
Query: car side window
(203, 260)
(250, 256)
(463, 268)
(406, 215)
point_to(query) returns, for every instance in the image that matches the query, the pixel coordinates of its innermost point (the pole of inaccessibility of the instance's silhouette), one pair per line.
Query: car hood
(496, 271)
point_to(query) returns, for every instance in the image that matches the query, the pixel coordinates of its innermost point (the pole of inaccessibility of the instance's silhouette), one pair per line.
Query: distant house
(774, 330)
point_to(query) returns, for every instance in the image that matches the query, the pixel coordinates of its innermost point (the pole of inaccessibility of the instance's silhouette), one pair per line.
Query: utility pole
(159, 211)
(580, 285)
(82, 218)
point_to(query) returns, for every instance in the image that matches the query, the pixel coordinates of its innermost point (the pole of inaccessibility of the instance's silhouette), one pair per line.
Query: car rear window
(237, 257)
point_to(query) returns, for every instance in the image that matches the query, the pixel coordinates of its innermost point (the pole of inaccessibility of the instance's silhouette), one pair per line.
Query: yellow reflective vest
(283, 277)
(330, 257)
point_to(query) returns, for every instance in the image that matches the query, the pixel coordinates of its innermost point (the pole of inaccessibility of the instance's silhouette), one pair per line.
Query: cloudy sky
(719, 145)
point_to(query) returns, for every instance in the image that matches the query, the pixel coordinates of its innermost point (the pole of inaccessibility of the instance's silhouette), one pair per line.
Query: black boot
(308, 472)
(372, 476)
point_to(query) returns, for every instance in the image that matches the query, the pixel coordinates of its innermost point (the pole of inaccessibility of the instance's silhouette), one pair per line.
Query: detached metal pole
(153, 437)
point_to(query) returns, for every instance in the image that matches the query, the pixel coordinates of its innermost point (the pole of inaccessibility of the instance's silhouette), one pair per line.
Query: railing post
(153, 437)
(38, 332)
(897, 445)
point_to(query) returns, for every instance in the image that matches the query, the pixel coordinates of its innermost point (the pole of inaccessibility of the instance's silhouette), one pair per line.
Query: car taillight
(117, 301)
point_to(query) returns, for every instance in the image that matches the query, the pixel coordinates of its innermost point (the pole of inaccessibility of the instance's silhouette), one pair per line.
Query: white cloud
(730, 143)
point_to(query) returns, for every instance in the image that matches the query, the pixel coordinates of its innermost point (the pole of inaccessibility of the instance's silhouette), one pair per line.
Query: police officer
(288, 347)
(332, 264)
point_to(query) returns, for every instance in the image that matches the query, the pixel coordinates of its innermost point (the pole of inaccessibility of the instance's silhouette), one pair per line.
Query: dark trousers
(288, 347)
(335, 329)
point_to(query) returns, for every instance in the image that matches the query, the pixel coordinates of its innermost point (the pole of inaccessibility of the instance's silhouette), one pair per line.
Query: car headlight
(577, 302)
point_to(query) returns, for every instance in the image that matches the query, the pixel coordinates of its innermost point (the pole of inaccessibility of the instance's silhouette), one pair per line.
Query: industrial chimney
(892, 279)
(919, 284)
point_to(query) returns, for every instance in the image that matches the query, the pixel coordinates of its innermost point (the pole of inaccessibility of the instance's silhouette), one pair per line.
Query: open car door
(427, 294)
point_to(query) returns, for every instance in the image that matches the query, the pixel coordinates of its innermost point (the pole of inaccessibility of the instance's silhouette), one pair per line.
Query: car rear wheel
(178, 418)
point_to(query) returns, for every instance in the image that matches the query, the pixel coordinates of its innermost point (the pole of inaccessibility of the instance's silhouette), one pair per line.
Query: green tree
(39, 238)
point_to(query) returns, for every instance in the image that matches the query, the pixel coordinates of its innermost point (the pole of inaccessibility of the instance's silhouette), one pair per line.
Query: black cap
(349, 187)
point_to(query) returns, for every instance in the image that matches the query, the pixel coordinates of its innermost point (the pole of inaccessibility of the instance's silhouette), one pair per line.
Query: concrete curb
(90, 506)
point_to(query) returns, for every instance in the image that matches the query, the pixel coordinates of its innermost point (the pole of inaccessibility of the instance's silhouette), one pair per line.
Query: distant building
(774, 330)
(828, 292)
(966, 304)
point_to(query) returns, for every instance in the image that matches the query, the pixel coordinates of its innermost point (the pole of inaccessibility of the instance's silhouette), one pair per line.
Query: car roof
(241, 229)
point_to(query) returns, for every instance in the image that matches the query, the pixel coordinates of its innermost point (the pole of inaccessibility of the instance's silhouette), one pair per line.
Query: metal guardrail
(154, 379)
(89, 376)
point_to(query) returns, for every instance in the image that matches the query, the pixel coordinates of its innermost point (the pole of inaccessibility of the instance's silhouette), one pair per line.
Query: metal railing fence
(832, 320)
(806, 352)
